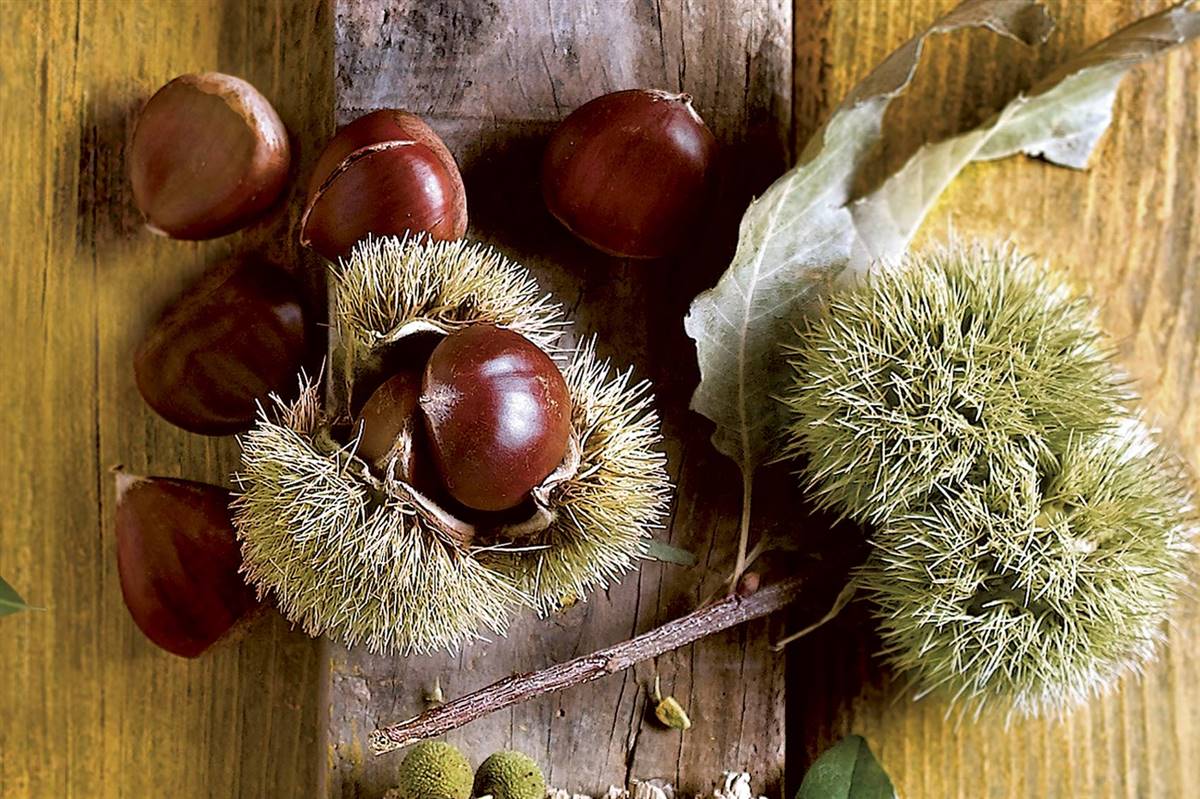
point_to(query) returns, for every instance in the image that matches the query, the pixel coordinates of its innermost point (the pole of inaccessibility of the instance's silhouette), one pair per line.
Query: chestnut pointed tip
(124, 481)
(304, 239)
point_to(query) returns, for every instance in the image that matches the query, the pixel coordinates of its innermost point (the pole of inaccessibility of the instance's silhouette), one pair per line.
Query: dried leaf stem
(729, 612)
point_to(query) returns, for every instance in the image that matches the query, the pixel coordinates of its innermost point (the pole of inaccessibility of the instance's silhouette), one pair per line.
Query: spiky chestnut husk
(510, 775)
(368, 558)
(393, 288)
(1040, 585)
(434, 770)
(911, 380)
(1029, 539)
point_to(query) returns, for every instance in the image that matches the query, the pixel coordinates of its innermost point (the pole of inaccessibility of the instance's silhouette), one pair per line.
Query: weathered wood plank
(89, 707)
(493, 78)
(1129, 231)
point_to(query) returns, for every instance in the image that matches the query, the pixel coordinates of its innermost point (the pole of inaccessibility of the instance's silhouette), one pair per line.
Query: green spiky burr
(1029, 536)
(369, 559)
(914, 379)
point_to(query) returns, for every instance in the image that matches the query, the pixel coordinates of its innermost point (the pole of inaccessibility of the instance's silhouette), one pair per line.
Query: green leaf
(10, 600)
(847, 770)
(1060, 120)
(666, 553)
(796, 239)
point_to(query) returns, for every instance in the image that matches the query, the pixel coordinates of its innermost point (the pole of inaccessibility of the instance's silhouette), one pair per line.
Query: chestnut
(498, 416)
(385, 173)
(233, 338)
(387, 421)
(630, 172)
(179, 562)
(208, 155)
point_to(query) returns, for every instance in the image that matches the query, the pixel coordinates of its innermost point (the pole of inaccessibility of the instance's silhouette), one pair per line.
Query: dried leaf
(796, 239)
(1060, 119)
(840, 602)
(846, 770)
(10, 600)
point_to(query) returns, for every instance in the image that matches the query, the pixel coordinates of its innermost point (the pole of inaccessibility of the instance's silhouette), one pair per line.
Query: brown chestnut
(386, 173)
(384, 125)
(208, 155)
(179, 562)
(233, 338)
(386, 423)
(498, 415)
(630, 172)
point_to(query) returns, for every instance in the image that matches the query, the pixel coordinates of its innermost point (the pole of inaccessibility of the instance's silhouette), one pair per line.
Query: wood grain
(493, 78)
(1129, 231)
(88, 707)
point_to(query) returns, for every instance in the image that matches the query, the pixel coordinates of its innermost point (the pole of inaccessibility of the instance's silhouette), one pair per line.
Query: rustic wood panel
(493, 77)
(1129, 231)
(89, 708)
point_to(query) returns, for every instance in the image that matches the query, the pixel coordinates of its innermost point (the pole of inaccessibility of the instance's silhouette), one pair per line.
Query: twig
(518, 688)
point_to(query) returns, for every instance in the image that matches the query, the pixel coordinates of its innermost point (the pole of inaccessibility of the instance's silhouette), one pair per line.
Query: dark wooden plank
(493, 77)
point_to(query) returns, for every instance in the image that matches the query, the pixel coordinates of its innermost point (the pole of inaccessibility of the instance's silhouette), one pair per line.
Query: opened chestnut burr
(630, 172)
(386, 173)
(209, 154)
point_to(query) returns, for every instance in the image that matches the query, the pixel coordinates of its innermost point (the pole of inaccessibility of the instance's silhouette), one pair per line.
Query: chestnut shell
(179, 562)
(233, 338)
(630, 172)
(386, 173)
(209, 154)
(384, 125)
(498, 416)
(388, 414)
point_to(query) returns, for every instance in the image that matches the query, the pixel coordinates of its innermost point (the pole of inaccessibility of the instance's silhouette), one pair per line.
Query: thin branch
(518, 688)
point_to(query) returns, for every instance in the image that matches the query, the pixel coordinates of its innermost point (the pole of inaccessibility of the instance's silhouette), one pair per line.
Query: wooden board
(88, 707)
(1129, 231)
(493, 78)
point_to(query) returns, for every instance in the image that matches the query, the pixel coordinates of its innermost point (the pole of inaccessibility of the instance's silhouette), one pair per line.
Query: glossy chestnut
(386, 173)
(387, 423)
(498, 416)
(179, 562)
(384, 125)
(630, 172)
(233, 338)
(209, 154)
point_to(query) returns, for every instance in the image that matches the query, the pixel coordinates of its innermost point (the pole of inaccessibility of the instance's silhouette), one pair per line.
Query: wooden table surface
(89, 709)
